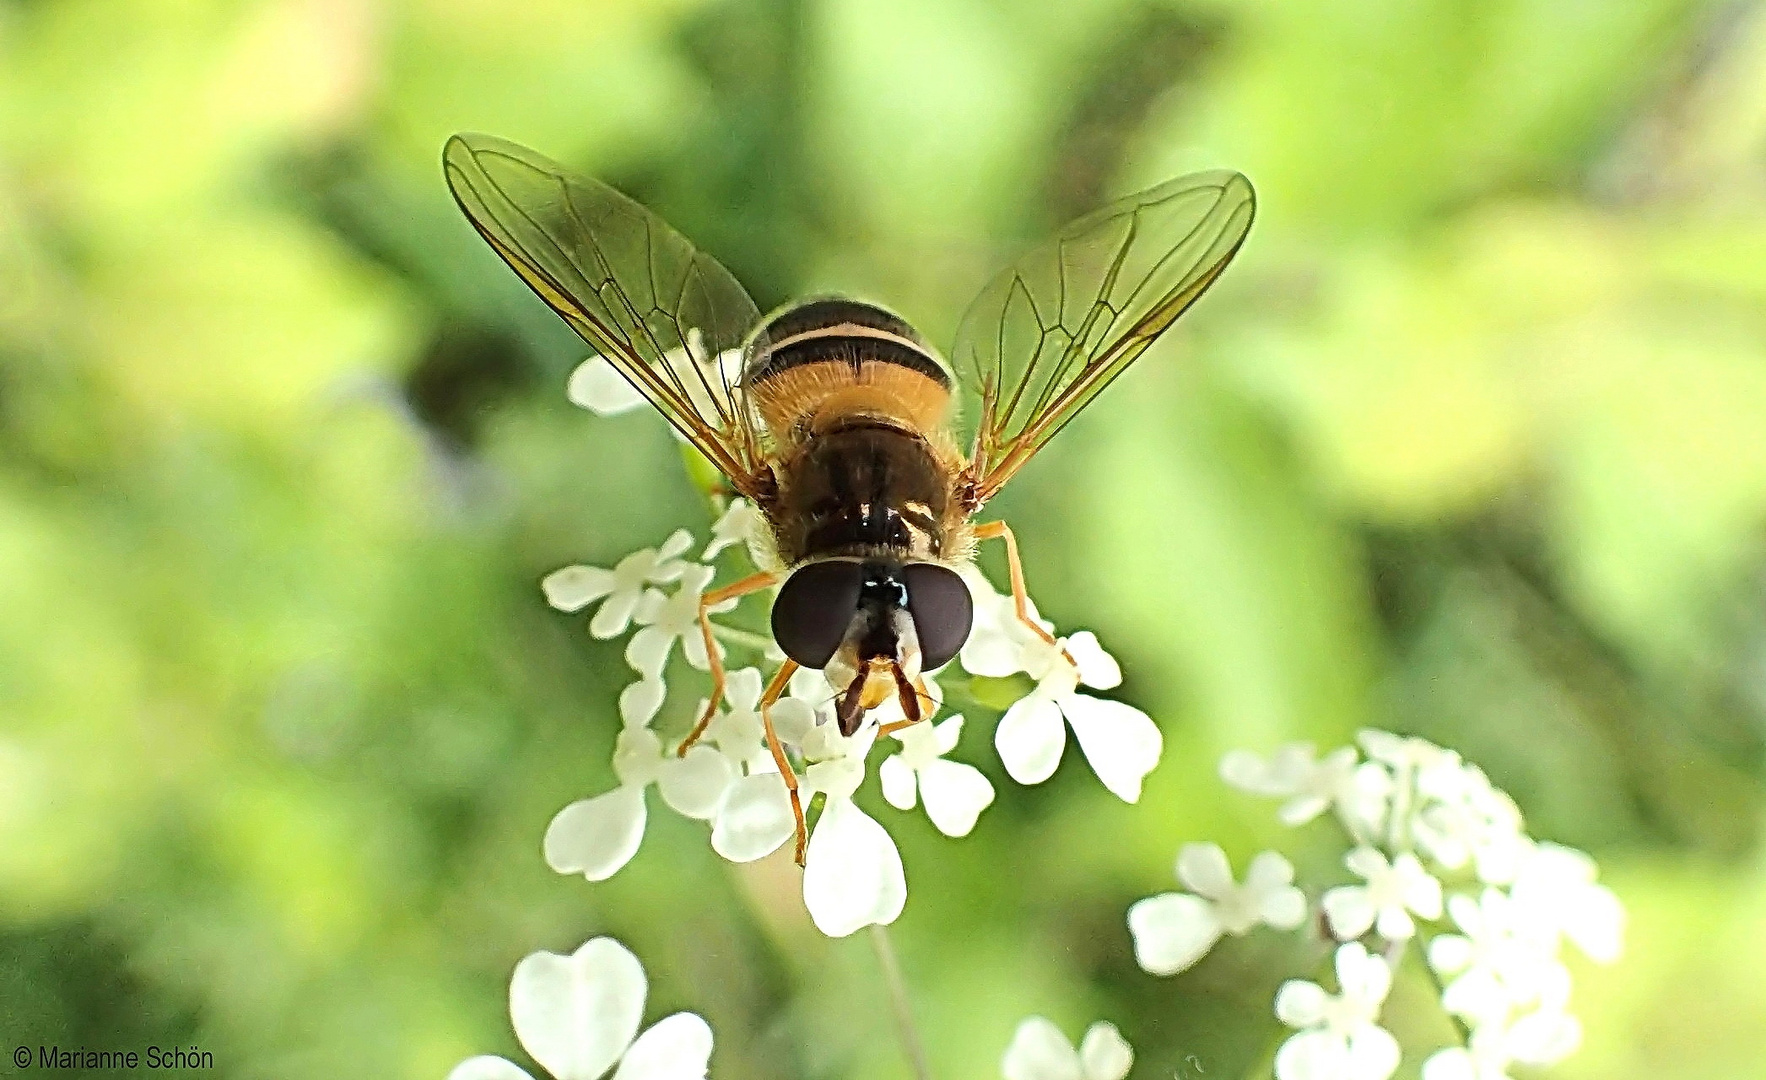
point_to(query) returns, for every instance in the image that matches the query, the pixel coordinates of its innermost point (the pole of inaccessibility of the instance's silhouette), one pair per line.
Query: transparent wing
(1049, 332)
(658, 309)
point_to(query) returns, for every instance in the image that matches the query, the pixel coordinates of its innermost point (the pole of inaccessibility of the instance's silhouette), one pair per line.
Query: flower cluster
(1040, 1052)
(853, 875)
(578, 1016)
(1432, 842)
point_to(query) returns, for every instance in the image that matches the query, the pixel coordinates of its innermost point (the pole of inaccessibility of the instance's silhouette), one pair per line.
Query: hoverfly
(838, 423)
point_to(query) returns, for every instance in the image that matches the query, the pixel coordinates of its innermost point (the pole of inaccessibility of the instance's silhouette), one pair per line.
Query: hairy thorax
(866, 490)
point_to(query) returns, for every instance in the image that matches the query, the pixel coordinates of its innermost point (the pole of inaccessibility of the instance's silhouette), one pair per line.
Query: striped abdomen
(857, 406)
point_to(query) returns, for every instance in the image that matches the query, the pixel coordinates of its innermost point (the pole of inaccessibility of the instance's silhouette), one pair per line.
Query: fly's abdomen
(827, 363)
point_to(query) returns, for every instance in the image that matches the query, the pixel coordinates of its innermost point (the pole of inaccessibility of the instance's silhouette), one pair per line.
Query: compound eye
(815, 608)
(942, 610)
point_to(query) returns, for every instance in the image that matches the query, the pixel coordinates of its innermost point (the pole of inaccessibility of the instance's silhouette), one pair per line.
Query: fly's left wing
(658, 309)
(1049, 332)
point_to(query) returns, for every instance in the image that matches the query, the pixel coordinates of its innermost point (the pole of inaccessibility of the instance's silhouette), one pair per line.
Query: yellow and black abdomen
(857, 408)
(823, 361)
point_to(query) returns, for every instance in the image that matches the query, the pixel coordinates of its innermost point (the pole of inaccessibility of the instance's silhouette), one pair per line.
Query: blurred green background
(1470, 441)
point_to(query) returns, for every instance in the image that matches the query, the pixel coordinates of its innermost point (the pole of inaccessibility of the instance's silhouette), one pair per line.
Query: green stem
(746, 639)
(1465, 1032)
(911, 1047)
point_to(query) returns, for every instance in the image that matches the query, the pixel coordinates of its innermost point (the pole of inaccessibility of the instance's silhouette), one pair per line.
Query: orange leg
(998, 530)
(925, 707)
(707, 601)
(774, 691)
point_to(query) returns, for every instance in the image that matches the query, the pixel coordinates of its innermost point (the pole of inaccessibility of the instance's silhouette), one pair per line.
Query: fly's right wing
(659, 310)
(1052, 330)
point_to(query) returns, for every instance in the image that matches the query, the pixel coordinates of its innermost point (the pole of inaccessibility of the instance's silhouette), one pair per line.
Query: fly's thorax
(857, 407)
(866, 490)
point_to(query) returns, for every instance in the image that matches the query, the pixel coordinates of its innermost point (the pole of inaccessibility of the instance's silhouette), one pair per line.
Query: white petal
(900, 788)
(792, 720)
(1172, 931)
(1039, 1051)
(742, 689)
(1362, 975)
(677, 1047)
(576, 1014)
(614, 615)
(1268, 870)
(1283, 908)
(595, 837)
(1395, 924)
(1247, 771)
(1104, 1053)
(1316, 1054)
(1121, 742)
(852, 874)
(488, 1067)
(1204, 868)
(1097, 668)
(1030, 738)
(640, 701)
(672, 548)
(647, 651)
(695, 785)
(1365, 862)
(756, 818)
(1302, 809)
(955, 794)
(598, 387)
(1478, 996)
(1422, 890)
(1598, 928)
(1301, 1003)
(1453, 1063)
(1449, 953)
(1544, 1037)
(1349, 910)
(575, 587)
(1373, 1053)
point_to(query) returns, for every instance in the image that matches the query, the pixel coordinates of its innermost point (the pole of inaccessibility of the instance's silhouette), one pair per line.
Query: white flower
(1503, 958)
(755, 818)
(1294, 772)
(1394, 891)
(852, 874)
(1404, 753)
(640, 701)
(738, 731)
(740, 523)
(999, 643)
(619, 589)
(1040, 1052)
(667, 619)
(1340, 1037)
(1174, 930)
(598, 386)
(1540, 1038)
(1556, 885)
(595, 837)
(1121, 742)
(954, 793)
(1463, 818)
(577, 1015)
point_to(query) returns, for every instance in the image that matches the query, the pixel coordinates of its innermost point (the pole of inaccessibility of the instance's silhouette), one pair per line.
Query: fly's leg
(707, 601)
(917, 704)
(999, 530)
(774, 691)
